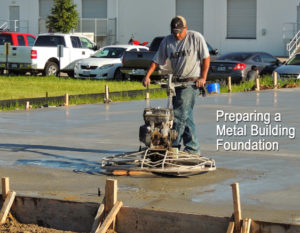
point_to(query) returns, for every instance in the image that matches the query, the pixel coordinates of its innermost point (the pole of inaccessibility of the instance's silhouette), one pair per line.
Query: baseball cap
(178, 23)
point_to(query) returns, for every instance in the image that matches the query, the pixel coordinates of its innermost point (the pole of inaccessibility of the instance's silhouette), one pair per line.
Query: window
(75, 42)
(113, 52)
(21, 40)
(268, 58)
(50, 41)
(143, 50)
(30, 40)
(257, 59)
(5, 39)
(85, 43)
(241, 19)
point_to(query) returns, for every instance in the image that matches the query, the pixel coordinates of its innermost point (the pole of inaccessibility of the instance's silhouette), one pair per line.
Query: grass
(18, 87)
(266, 82)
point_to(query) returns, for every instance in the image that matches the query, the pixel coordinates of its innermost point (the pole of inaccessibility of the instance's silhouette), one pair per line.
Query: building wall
(29, 10)
(144, 19)
(271, 16)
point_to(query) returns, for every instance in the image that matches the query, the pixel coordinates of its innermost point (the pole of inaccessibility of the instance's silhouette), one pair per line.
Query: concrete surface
(55, 152)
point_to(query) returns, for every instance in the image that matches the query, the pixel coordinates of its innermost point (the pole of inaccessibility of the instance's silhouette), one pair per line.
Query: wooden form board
(6, 206)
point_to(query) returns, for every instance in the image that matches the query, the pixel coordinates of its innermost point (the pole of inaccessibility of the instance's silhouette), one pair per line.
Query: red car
(17, 38)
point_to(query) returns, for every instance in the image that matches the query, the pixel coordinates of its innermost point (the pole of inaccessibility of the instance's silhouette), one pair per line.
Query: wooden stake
(5, 187)
(246, 225)
(257, 85)
(229, 84)
(147, 96)
(230, 228)
(111, 189)
(97, 219)
(236, 206)
(6, 206)
(106, 99)
(275, 80)
(27, 107)
(66, 99)
(110, 217)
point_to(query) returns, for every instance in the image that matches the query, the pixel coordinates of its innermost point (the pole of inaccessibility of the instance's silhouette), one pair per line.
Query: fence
(104, 29)
(14, 25)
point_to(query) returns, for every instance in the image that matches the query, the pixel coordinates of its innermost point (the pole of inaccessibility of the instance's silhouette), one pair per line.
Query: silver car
(291, 69)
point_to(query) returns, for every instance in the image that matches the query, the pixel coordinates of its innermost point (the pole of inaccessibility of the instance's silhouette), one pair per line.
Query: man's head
(178, 27)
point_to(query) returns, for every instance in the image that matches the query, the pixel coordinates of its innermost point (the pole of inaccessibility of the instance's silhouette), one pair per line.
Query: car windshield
(109, 53)
(294, 60)
(235, 56)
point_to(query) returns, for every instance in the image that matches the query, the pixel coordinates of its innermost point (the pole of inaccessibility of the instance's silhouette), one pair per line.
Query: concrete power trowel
(159, 157)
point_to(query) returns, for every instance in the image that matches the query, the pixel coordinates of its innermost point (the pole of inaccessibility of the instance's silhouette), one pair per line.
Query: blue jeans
(183, 104)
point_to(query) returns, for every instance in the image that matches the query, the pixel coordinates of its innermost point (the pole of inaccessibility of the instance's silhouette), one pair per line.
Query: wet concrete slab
(55, 152)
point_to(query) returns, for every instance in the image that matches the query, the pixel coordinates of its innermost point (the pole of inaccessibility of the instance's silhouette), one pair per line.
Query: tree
(64, 16)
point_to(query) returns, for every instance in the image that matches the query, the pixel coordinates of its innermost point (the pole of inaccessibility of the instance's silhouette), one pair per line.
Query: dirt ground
(13, 226)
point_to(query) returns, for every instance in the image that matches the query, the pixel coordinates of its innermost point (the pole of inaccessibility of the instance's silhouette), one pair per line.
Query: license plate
(221, 68)
(86, 73)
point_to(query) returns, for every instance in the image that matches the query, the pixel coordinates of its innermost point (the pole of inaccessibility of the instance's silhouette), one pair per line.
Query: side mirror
(95, 47)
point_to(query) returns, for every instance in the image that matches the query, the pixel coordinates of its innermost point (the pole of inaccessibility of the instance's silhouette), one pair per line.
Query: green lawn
(18, 87)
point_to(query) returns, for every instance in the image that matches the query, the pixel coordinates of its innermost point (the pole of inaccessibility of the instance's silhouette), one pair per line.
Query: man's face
(180, 35)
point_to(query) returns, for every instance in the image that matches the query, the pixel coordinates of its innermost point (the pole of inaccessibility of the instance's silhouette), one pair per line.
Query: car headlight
(106, 67)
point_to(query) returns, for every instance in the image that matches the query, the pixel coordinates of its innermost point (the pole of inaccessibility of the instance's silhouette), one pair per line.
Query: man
(189, 57)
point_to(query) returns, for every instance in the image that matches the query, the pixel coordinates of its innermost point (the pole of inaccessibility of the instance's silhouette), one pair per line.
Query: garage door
(94, 8)
(45, 8)
(241, 19)
(192, 10)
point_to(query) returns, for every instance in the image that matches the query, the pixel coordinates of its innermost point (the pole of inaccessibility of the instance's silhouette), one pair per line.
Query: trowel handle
(171, 90)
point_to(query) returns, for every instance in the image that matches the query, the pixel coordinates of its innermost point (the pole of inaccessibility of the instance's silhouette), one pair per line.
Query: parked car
(19, 55)
(105, 63)
(44, 53)
(238, 64)
(17, 38)
(291, 69)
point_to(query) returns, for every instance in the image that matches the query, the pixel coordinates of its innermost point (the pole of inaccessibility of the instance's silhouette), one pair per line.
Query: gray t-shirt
(185, 55)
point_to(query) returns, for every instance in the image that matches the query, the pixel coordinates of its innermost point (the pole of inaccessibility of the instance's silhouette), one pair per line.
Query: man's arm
(204, 70)
(146, 80)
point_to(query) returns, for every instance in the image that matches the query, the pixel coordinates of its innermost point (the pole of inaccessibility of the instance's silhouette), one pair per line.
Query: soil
(13, 226)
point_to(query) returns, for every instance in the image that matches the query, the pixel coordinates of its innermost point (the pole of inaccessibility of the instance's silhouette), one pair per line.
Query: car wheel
(118, 75)
(71, 74)
(51, 68)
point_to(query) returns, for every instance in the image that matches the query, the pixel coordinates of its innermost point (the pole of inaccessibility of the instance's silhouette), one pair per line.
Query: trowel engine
(157, 132)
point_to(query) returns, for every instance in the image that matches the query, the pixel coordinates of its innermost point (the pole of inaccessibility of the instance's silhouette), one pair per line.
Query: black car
(238, 64)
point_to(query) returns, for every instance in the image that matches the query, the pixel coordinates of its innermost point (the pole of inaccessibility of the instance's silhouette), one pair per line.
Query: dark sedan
(238, 64)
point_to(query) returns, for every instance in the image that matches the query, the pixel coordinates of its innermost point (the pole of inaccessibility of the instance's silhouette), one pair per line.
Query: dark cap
(178, 23)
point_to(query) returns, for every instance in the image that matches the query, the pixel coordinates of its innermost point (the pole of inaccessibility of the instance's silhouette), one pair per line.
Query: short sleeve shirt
(185, 55)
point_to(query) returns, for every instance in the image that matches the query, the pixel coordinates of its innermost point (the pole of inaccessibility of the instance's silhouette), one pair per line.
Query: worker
(253, 73)
(189, 57)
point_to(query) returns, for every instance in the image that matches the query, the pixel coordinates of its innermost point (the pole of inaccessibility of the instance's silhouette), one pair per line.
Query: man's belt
(183, 80)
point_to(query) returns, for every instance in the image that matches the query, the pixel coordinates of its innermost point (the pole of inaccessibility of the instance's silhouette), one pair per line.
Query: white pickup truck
(44, 53)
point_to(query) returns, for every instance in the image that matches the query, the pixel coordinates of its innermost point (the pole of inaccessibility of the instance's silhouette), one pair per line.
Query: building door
(14, 18)
(192, 11)
(241, 19)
